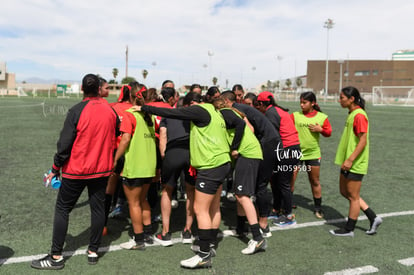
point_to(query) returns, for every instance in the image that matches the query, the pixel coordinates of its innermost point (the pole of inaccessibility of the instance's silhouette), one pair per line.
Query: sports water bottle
(55, 182)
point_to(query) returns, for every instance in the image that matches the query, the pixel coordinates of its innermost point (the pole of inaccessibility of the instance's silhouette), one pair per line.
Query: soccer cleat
(186, 237)
(235, 233)
(196, 249)
(283, 220)
(148, 239)
(266, 232)
(342, 232)
(374, 226)
(133, 245)
(48, 263)
(92, 258)
(230, 197)
(164, 240)
(274, 215)
(201, 260)
(254, 246)
(116, 213)
(319, 213)
(174, 203)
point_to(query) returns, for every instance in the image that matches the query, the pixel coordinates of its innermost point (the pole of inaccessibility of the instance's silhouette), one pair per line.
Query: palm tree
(299, 82)
(269, 85)
(288, 82)
(144, 74)
(214, 81)
(115, 72)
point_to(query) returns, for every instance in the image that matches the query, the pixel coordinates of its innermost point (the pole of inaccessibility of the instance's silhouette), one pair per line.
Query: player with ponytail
(310, 124)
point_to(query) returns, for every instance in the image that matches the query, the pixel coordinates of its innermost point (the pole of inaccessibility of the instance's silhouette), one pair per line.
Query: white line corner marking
(355, 271)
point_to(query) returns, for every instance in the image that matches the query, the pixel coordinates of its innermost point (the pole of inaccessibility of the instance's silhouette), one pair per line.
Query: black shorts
(137, 182)
(245, 174)
(310, 162)
(209, 180)
(352, 176)
(175, 161)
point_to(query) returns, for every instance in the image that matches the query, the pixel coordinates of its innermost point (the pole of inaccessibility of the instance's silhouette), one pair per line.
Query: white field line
(355, 271)
(407, 262)
(178, 240)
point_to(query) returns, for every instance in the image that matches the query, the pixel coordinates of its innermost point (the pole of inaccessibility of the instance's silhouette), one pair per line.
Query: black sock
(350, 224)
(204, 236)
(108, 202)
(241, 221)
(148, 229)
(213, 237)
(370, 214)
(318, 203)
(255, 229)
(139, 238)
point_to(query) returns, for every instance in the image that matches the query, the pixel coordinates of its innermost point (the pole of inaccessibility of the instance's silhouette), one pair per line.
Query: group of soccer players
(202, 139)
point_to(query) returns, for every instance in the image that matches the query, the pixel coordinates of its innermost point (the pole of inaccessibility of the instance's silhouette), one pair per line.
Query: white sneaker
(254, 246)
(266, 232)
(133, 245)
(174, 204)
(374, 226)
(197, 262)
(231, 197)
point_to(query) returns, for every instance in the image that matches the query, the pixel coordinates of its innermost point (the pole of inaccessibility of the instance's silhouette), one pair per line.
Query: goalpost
(392, 96)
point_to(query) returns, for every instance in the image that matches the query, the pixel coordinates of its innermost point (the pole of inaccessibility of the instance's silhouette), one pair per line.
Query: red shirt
(128, 124)
(282, 122)
(120, 108)
(360, 124)
(86, 144)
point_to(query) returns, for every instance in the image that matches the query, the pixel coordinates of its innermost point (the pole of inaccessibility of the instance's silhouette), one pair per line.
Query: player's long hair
(310, 96)
(353, 92)
(138, 95)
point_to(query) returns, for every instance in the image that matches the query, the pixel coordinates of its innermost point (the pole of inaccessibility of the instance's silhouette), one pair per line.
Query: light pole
(340, 61)
(328, 25)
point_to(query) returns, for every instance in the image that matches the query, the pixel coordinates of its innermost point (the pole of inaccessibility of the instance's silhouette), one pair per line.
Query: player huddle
(249, 140)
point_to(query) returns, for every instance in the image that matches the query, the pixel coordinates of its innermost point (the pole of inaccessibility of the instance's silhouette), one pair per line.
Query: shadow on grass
(5, 253)
(330, 212)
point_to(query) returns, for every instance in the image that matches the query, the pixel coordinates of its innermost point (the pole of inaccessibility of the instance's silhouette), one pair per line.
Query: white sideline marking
(407, 262)
(178, 240)
(355, 271)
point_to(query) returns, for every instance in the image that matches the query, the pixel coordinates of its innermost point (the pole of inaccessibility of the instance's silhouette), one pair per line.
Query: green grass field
(28, 136)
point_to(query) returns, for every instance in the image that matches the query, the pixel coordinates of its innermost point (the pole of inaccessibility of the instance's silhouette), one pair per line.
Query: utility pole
(126, 61)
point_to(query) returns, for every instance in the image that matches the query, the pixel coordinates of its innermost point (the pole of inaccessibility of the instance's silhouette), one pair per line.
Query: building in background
(7, 80)
(403, 55)
(362, 74)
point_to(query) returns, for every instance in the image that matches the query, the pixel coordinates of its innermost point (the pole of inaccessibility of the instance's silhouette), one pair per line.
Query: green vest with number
(348, 143)
(208, 145)
(309, 141)
(140, 156)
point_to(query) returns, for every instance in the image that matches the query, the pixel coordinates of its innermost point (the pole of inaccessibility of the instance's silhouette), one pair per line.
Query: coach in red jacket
(85, 159)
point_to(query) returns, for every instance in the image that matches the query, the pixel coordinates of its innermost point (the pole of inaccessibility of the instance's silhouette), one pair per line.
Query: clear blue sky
(56, 39)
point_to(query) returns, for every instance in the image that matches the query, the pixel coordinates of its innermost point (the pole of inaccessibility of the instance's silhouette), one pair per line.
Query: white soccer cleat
(254, 246)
